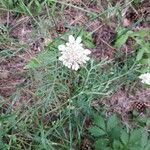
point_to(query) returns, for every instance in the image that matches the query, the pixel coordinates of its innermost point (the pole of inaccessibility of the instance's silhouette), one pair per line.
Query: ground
(24, 36)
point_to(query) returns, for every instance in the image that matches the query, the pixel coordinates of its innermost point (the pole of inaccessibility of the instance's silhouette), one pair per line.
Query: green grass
(53, 117)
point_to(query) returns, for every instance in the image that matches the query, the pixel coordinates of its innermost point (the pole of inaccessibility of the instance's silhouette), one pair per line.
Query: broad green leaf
(108, 148)
(144, 138)
(101, 143)
(95, 131)
(135, 136)
(135, 148)
(99, 121)
(147, 146)
(112, 122)
(117, 145)
(124, 137)
(148, 123)
(115, 132)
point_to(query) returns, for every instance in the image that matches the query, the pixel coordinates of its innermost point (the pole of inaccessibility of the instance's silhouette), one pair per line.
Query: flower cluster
(73, 55)
(145, 78)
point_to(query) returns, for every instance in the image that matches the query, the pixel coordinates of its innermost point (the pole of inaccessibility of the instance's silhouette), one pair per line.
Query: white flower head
(73, 54)
(145, 78)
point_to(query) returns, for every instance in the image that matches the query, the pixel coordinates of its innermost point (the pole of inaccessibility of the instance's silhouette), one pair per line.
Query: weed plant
(61, 99)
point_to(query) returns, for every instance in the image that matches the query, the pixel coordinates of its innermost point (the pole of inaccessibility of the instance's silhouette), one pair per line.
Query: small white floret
(145, 78)
(73, 55)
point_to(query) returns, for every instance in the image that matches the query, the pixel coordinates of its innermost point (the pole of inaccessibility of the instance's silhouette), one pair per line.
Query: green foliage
(49, 56)
(71, 92)
(110, 134)
(141, 45)
(144, 120)
(100, 122)
(56, 100)
(87, 39)
(27, 7)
